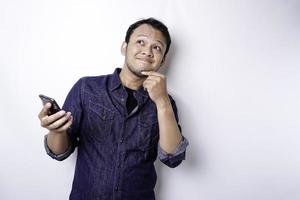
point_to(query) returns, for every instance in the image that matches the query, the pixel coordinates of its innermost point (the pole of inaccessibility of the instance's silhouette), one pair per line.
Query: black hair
(155, 24)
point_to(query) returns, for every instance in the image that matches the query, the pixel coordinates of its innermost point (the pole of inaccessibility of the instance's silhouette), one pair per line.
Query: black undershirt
(131, 102)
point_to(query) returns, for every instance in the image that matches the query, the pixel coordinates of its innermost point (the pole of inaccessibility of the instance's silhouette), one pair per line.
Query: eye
(141, 42)
(157, 48)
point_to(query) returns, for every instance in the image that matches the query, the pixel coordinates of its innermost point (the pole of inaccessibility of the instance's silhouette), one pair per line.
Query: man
(120, 122)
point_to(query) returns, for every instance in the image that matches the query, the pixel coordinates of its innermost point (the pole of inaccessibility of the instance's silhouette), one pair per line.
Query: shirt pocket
(148, 131)
(100, 120)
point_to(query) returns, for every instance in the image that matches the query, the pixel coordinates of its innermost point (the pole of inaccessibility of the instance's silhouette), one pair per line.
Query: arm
(57, 124)
(57, 142)
(169, 131)
(172, 145)
(175, 156)
(62, 138)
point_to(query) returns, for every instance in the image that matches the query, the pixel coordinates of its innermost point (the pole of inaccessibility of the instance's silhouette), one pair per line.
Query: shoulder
(93, 82)
(93, 79)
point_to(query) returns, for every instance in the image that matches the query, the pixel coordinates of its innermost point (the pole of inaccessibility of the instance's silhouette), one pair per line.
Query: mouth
(144, 60)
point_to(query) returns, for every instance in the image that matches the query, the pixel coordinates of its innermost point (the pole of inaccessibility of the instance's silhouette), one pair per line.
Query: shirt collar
(116, 83)
(115, 79)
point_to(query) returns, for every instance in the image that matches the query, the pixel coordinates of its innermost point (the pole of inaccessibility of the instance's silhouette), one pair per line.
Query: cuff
(175, 158)
(58, 157)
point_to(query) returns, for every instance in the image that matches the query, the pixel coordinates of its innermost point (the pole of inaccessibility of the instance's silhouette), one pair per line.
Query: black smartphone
(54, 108)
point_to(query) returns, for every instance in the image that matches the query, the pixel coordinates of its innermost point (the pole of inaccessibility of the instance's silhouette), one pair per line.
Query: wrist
(52, 132)
(163, 103)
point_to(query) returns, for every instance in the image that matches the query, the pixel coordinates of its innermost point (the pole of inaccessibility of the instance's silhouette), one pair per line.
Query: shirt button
(122, 99)
(121, 140)
(116, 188)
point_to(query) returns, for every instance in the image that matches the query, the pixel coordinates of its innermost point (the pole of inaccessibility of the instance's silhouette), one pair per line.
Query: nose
(147, 51)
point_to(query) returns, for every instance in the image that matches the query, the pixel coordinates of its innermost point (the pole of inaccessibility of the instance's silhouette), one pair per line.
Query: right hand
(58, 122)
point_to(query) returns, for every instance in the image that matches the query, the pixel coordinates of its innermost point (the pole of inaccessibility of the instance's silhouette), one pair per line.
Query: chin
(137, 73)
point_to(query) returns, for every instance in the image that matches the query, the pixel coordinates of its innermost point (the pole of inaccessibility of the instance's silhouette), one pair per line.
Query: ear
(123, 48)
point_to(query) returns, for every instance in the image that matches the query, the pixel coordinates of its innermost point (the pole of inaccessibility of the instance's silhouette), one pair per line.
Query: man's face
(145, 50)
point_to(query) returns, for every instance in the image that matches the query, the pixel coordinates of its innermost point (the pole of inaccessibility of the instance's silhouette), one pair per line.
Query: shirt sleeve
(175, 158)
(59, 157)
(73, 104)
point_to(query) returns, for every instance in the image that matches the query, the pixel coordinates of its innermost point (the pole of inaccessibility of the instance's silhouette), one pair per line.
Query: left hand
(156, 86)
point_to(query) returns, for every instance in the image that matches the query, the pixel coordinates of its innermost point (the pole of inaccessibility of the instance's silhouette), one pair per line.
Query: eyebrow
(156, 40)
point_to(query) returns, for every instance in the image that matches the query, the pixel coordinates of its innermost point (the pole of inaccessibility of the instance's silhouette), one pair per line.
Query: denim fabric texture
(116, 150)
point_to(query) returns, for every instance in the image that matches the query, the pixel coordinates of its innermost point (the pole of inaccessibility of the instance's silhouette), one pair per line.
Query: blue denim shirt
(116, 150)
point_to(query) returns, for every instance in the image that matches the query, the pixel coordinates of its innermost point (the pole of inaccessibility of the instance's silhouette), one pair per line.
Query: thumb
(44, 112)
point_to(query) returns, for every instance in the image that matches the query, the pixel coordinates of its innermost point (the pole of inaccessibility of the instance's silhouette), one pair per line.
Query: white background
(233, 69)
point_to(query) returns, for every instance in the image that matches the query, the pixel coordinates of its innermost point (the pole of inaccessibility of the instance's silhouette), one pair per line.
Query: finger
(45, 110)
(148, 84)
(66, 125)
(152, 73)
(154, 78)
(145, 85)
(59, 122)
(47, 120)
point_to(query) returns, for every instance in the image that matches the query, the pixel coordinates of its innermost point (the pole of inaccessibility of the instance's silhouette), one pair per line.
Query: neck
(129, 80)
